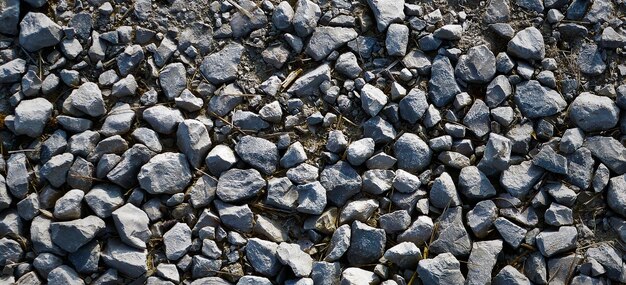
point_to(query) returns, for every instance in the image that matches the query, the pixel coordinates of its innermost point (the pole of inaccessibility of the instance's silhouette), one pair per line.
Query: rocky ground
(312, 142)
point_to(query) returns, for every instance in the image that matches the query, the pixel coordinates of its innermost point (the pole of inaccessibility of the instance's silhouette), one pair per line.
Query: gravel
(305, 142)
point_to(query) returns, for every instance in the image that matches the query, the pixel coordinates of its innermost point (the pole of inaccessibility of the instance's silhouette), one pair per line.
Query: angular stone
(412, 152)
(477, 66)
(527, 44)
(127, 260)
(442, 85)
(386, 12)
(519, 179)
(326, 39)
(31, 117)
(442, 269)
(192, 139)
(236, 185)
(222, 66)
(262, 256)
(341, 182)
(609, 151)
(259, 153)
(537, 101)
(173, 80)
(71, 235)
(299, 261)
(166, 173)
(177, 241)
(594, 113)
(37, 31)
(132, 225)
(367, 244)
(482, 260)
(554, 242)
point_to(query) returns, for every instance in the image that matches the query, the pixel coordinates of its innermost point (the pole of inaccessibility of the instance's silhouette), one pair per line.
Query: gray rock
(10, 251)
(163, 119)
(253, 280)
(404, 255)
(477, 118)
(5, 197)
(68, 207)
(610, 259)
(311, 198)
(130, 59)
(616, 199)
(609, 151)
(580, 168)
(359, 151)
(360, 210)
(367, 244)
(64, 275)
(202, 192)
(71, 235)
(248, 121)
(537, 101)
(291, 255)
(442, 85)
(220, 159)
(527, 44)
(222, 66)
(294, 155)
(558, 215)
(397, 39)
(236, 185)
(173, 80)
(46, 262)
(395, 221)
(132, 225)
(443, 192)
(177, 241)
(510, 275)
(12, 71)
(55, 170)
(497, 12)
(87, 99)
(482, 260)
(413, 106)
(535, 268)
(192, 139)
(590, 60)
(40, 236)
(127, 86)
(259, 153)
(442, 269)
(262, 256)
(405, 182)
(594, 113)
(10, 16)
(386, 12)
(519, 179)
(119, 120)
(17, 175)
(242, 24)
(531, 5)
(601, 178)
(474, 184)
(377, 181)
(37, 31)
(412, 152)
(103, 199)
(477, 66)
(325, 273)
(452, 236)
(339, 243)
(355, 275)
(125, 172)
(326, 39)
(283, 16)
(551, 161)
(497, 91)
(239, 218)
(281, 194)
(31, 117)
(510, 232)
(341, 182)
(272, 112)
(372, 99)
(554, 242)
(306, 17)
(147, 137)
(127, 260)
(481, 218)
(166, 173)
(449, 32)
(348, 65)
(309, 82)
(336, 141)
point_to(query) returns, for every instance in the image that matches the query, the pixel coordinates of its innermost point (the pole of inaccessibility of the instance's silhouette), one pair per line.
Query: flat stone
(510, 275)
(341, 182)
(127, 260)
(482, 260)
(177, 241)
(404, 255)
(386, 12)
(481, 218)
(262, 255)
(519, 179)
(477, 66)
(537, 101)
(554, 242)
(192, 139)
(609, 151)
(590, 60)
(173, 80)
(291, 255)
(442, 86)
(163, 119)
